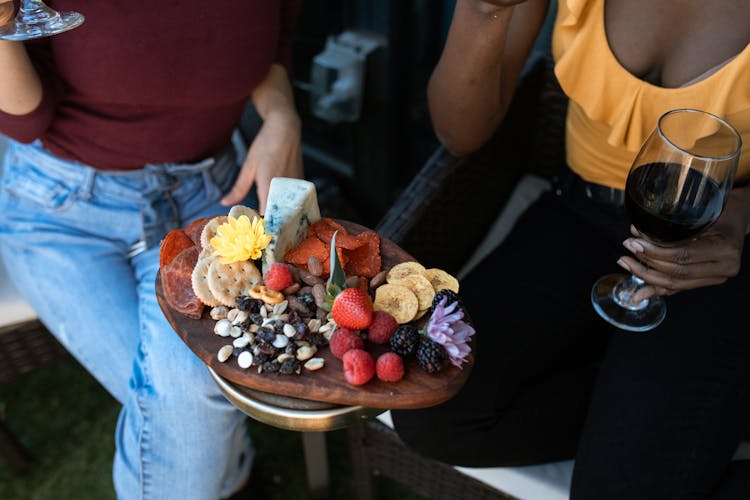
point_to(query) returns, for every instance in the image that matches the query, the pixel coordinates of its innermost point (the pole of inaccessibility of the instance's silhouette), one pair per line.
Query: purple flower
(447, 328)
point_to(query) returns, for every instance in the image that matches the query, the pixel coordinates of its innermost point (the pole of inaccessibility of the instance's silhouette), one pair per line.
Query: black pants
(645, 415)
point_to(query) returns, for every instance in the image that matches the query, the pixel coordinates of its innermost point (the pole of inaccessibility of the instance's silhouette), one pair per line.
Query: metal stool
(311, 418)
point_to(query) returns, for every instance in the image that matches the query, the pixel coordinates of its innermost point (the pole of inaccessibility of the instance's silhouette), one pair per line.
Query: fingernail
(633, 246)
(621, 262)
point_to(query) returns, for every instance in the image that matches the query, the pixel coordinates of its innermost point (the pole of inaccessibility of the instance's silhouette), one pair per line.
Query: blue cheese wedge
(291, 207)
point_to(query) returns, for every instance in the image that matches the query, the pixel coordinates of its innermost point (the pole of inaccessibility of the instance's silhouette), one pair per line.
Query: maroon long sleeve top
(150, 81)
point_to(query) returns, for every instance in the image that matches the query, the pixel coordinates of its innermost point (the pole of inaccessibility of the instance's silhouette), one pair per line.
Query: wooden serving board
(418, 389)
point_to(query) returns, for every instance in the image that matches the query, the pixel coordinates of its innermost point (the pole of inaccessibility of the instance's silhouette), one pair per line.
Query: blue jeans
(82, 246)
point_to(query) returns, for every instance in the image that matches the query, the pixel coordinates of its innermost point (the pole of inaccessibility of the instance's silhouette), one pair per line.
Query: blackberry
(404, 340)
(249, 304)
(450, 294)
(431, 356)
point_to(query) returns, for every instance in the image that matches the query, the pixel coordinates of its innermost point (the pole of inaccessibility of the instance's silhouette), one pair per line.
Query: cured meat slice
(324, 229)
(195, 229)
(173, 243)
(177, 283)
(302, 252)
(364, 260)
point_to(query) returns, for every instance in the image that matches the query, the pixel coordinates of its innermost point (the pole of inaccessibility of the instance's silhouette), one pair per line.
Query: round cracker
(238, 210)
(441, 280)
(206, 253)
(200, 282)
(227, 281)
(397, 300)
(209, 230)
(421, 287)
(398, 271)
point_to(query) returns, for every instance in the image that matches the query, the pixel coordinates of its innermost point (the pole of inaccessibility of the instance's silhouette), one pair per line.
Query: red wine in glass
(672, 218)
(676, 188)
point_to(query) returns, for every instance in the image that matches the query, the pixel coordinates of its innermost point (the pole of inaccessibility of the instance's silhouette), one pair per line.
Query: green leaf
(337, 279)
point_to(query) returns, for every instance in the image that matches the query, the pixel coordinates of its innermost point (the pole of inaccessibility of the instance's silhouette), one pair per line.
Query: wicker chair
(422, 220)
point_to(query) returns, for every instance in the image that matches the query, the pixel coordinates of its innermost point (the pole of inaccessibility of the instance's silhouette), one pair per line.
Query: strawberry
(278, 277)
(352, 308)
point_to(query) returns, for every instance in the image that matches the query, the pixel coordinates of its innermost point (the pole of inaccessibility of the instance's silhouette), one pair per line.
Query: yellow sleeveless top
(612, 112)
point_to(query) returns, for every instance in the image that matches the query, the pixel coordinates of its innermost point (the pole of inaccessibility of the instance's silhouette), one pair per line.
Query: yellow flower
(239, 239)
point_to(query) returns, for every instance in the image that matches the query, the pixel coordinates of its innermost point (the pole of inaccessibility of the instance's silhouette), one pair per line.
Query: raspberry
(431, 356)
(278, 277)
(404, 340)
(343, 340)
(352, 309)
(389, 367)
(381, 328)
(359, 367)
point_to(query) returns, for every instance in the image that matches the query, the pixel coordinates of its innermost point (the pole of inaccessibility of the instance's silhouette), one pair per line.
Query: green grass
(67, 421)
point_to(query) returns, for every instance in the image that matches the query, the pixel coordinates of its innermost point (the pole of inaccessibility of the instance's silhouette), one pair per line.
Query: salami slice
(195, 229)
(177, 283)
(324, 229)
(365, 259)
(175, 242)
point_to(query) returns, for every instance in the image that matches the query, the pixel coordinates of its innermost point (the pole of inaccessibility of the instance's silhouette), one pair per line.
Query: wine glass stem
(35, 12)
(624, 291)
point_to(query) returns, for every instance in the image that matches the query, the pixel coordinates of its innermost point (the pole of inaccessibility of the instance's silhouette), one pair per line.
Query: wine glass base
(53, 26)
(641, 319)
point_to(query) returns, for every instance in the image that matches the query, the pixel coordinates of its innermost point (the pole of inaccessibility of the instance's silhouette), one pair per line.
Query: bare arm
(474, 80)
(276, 149)
(20, 86)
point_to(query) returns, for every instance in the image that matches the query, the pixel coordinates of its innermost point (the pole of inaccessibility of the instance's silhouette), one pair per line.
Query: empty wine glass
(677, 187)
(35, 20)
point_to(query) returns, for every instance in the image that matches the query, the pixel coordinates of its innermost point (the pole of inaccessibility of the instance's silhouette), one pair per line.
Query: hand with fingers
(711, 258)
(276, 150)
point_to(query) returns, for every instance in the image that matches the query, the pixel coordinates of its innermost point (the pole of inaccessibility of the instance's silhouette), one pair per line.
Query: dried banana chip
(441, 280)
(397, 300)
(421, 313)
(398, 271)
(421, 287)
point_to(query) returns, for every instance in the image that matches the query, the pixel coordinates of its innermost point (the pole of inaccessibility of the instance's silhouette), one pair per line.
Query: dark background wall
(362, 166)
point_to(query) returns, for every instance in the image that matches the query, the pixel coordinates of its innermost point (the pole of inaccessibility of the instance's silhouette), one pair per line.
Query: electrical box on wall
(338, 77)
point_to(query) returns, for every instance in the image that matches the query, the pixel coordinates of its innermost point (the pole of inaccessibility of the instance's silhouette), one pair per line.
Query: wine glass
(677, 187)
(35, 20)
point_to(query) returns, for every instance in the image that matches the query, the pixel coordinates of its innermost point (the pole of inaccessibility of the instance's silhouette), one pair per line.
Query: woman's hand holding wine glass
(676, 193)
(709, 259)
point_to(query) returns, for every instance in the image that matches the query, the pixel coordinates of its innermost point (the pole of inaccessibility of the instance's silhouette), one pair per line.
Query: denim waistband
(132, 183)
(152, 187)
